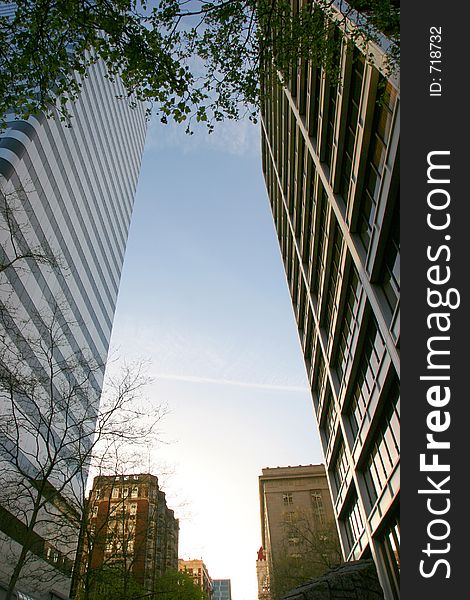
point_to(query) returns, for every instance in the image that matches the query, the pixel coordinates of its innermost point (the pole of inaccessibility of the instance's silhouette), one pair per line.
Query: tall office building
(130, 528)
(221, 589)
(66, 192)
(331, 164)
(298, 530)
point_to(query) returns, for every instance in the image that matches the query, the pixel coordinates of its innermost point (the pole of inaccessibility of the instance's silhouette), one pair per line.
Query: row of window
(381, 129)
(123, 492)
(355, 92)
(390, 549)
(353, 524)
(382, 458)
(330, 254)
(373, 351)
(291, 160)
(115, 509)
(318, 507)
(385, 450)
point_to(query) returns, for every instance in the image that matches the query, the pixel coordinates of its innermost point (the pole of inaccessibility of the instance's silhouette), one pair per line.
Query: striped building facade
(331, 162)
(67, 191)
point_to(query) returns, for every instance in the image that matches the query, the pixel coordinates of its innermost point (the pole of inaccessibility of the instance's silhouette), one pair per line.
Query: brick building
(129, 528)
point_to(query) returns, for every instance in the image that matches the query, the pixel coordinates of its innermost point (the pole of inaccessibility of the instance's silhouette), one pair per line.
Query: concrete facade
(296, 513)
(331, 163)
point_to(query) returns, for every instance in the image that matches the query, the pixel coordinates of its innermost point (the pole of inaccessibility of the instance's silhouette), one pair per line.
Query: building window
(390, 273)
(319, 381)
(95, 511)
(384, 453)
(309, 205)
(377, 150)
(314, 105)
(318, 507)
(321, 241)
(330, 125)
(287, 498)
(372, 353)
(52, 555)
(353, 524)
(351, 121)
(340, 467)
(293, 543)
(390, 550)
(135, 492)
(348, 324)
(330, 416)
(289, 517)
(331, 277)
(310, 339)
(133, 509)
(116, 493)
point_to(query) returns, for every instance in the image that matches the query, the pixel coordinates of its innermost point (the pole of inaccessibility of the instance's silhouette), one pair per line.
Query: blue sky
(203, 297)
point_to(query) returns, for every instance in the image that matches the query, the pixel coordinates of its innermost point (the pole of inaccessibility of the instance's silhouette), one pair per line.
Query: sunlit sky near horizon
(204, 298)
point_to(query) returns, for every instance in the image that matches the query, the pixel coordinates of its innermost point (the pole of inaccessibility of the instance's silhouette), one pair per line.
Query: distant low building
(129, 528)
(221, 589)
(198, 570)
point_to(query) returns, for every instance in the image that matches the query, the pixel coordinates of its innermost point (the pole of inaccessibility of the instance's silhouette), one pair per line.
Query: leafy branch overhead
(187, 58)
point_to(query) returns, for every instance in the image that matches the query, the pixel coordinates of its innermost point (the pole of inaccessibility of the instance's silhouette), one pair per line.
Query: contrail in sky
(234, 382)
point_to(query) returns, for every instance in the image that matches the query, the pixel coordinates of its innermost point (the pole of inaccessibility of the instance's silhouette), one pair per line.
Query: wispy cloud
(238, 138)
(232, 382)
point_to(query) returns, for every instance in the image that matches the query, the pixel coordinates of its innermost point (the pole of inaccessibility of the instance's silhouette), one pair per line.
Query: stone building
(298, 528)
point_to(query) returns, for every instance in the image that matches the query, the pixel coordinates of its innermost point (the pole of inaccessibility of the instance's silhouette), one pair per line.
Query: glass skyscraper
(331, 163)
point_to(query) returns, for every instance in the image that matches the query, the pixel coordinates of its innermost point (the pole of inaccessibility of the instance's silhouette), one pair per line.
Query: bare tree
(53, 426)
(111, 541)
(53, 429)
(18, 249)
(310, 548)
